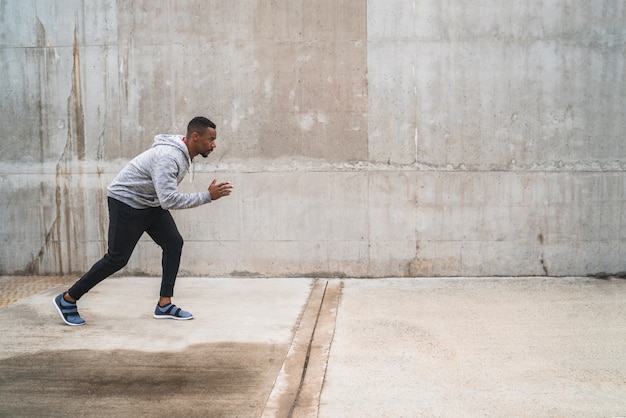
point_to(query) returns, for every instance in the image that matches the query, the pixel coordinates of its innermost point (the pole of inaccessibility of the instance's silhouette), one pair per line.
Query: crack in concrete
(308, 354)
(307, 402)
(297, 388)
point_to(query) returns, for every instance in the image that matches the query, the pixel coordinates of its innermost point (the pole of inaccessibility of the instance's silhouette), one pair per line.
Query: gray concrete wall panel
(364, 138)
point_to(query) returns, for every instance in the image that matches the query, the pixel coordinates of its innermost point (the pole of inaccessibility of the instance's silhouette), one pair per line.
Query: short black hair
(199, 124)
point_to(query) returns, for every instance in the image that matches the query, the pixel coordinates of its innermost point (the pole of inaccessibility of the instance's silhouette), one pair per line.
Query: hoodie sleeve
(165, 177)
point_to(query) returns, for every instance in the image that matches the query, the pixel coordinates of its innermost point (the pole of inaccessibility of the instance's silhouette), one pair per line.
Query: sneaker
(171, 311)
(68, 311)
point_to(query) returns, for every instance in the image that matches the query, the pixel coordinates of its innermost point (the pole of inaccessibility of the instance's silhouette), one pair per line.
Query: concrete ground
(330, 348)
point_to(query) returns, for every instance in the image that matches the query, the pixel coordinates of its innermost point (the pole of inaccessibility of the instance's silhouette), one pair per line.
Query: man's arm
(166, 186)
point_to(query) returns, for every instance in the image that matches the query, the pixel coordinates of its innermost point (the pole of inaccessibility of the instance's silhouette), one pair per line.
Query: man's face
(206, 142)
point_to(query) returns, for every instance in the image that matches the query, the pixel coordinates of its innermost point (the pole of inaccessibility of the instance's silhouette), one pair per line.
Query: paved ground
(329, 348)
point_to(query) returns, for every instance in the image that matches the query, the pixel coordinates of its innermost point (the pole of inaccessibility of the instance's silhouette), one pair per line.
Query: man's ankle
(68, 298)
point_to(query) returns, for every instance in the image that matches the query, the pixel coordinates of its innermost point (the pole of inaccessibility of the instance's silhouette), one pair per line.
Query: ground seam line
(308, 353)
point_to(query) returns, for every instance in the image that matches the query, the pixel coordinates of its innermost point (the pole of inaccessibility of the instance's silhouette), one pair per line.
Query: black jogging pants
(126, 226)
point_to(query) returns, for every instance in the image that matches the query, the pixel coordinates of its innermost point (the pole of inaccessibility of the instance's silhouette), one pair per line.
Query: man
(139, 199)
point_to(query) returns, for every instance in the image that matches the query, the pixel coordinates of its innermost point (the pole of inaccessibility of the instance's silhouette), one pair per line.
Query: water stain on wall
(67, 228)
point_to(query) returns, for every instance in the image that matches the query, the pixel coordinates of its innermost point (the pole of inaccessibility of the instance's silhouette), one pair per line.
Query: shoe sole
(54, 301)
(171, 317)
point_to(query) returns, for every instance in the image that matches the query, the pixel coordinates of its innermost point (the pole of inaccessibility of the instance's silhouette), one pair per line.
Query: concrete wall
(364, 138)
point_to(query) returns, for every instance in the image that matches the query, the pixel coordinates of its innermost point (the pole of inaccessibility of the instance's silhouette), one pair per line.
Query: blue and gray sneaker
(171, 311)
(68, 311)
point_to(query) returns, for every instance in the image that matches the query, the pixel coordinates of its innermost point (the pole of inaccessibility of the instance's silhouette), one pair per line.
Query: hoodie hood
(176, 141)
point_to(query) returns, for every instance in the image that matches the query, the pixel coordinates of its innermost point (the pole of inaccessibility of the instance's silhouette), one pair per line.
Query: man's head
(201, 136)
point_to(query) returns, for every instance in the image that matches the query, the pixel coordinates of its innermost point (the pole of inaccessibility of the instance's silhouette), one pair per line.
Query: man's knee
(179, 243)
(175, 244)
(118, 261)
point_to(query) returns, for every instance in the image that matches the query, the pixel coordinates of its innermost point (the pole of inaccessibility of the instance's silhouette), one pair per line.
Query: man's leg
(165, 233)
(126, 225)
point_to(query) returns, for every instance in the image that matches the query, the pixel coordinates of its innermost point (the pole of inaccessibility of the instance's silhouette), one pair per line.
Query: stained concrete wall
(364, 138)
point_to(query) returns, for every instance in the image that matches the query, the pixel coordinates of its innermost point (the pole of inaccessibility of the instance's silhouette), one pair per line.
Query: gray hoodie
(151, 179)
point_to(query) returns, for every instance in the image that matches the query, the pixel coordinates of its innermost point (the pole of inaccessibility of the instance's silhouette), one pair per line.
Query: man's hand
(219, 190)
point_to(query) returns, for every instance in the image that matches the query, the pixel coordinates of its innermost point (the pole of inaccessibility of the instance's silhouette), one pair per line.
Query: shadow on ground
(216, 380)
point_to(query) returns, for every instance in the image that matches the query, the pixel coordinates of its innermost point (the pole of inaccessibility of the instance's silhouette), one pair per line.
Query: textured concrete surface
(221, 363)
(365, 138)
(490, 347)
(321, 348)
